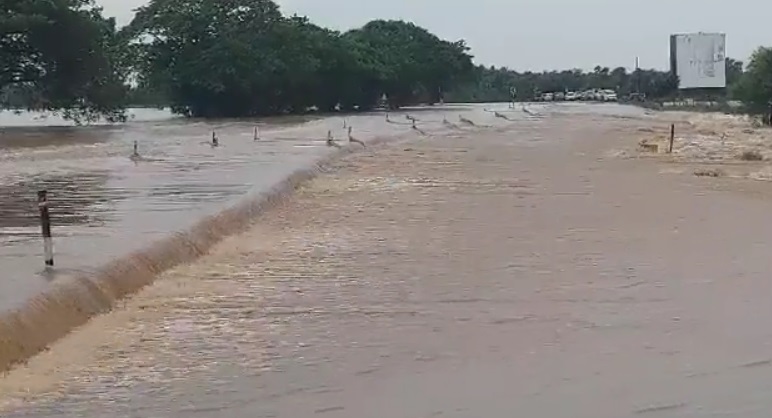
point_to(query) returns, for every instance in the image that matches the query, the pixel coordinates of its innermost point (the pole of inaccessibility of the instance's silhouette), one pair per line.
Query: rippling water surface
(518, 268)
(104, 204)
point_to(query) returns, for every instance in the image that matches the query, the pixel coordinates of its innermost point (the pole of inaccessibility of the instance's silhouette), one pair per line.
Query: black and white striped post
(45, 226)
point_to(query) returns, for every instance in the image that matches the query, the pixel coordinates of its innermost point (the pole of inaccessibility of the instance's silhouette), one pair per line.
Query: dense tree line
(215, 59)
(494, 84)
(244, 57)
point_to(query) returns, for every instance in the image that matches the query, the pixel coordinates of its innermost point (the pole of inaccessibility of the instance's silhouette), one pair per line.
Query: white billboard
(698, 59)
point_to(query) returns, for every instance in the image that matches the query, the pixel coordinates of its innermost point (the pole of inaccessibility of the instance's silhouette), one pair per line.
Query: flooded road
(104, 204)
(519, 270)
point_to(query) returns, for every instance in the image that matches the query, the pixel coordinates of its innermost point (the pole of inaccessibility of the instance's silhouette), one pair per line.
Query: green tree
(410, 64)
(211, 58)
(488, 85)
(62, 55)
(619, 78)
(754, 88)
(734, 71)
(243, 57)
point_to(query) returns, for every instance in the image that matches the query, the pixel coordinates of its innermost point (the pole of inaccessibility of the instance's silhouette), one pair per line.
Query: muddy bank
(709, 145)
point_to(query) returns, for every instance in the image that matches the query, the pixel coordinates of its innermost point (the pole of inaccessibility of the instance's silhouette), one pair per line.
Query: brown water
(515, 271)
(104, 205)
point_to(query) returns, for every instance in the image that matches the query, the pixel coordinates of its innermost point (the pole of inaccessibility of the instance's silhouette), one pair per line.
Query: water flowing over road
(104, 204)
(525, 268)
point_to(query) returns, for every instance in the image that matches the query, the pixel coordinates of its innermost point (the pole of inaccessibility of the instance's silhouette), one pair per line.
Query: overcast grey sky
(548, 34)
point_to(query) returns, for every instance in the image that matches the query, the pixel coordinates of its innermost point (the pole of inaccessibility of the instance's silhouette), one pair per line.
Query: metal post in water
(135, 155)
(257, 133)
(352, 139)
(45, 226)
(672, 138)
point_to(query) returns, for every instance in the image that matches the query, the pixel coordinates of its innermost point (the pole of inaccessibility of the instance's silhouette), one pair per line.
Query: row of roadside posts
(45, 216)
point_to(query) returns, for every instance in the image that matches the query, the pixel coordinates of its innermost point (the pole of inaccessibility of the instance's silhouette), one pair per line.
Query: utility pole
(637, 76)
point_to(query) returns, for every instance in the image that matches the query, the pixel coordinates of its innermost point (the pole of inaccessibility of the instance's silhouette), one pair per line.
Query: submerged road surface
(105, 204)
(513, 272)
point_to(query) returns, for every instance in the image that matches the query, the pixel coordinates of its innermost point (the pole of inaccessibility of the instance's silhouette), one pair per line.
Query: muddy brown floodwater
(105, 205)
(518, 270)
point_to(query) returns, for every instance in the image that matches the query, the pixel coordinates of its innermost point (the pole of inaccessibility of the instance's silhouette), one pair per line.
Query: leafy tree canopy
(243, 57)
(754, 87)
(61, 55)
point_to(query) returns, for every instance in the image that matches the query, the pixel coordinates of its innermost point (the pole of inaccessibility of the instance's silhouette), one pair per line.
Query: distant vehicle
(547, 97)
(571, 96)
(560, 96)
(608, 95)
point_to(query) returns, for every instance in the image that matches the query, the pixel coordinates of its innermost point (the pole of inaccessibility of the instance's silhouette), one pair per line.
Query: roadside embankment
(70, 303)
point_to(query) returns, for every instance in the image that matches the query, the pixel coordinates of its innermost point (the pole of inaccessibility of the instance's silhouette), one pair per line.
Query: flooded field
(105, 204)
(525, 269)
